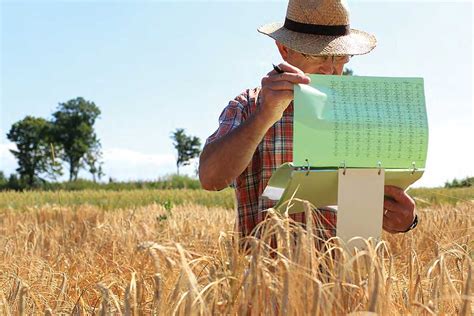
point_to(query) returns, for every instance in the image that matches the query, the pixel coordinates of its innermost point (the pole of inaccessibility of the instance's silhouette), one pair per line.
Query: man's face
(313, 65)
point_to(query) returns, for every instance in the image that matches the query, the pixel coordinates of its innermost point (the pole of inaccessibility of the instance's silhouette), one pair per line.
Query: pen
(277, 69)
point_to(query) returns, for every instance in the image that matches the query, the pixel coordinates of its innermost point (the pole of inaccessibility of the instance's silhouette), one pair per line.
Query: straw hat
(319, 27)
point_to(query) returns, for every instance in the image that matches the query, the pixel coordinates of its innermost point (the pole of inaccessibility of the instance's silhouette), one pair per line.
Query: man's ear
(283, 50)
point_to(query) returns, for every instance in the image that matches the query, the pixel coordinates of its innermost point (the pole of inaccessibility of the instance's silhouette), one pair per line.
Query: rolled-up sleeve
(231, 117)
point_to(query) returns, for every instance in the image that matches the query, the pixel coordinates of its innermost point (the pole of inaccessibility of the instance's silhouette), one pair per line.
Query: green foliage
(168, 199)
(188, 147)
(16, 184)
(32, 137)
(73, 131)
(93, 161)
(348, 72)
(165, 183)
(437, 196)
(463, 183)
(113, 200)
(70, 136)
(3, 180)
(168, 205)
(161, 217)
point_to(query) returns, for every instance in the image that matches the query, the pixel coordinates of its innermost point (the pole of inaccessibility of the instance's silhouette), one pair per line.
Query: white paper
(273, 193)
(360, 204)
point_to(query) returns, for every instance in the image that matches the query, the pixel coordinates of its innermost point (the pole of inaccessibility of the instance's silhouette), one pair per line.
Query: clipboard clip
(413, 164)
(343, 165)
(379, 165)
(308, 168)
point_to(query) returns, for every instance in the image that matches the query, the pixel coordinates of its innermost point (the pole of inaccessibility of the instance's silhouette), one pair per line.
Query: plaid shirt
(275, 149)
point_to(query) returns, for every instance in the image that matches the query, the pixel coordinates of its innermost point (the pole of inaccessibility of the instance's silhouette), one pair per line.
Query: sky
(154, 66)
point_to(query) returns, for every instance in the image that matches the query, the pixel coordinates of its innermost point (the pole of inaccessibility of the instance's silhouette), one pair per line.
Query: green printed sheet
(356, 122)
(360, 122)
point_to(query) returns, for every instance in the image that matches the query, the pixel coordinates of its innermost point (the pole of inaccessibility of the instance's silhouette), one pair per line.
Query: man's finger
(401, 212)
(285, 94)
(398, 215)
(398, 195)
(286, 67)
(291, 77)
(280, 85)
(391, 222)
(393, 206)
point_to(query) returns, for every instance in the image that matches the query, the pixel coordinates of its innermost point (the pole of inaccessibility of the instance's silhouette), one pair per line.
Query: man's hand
(399, 210)
(277, 90)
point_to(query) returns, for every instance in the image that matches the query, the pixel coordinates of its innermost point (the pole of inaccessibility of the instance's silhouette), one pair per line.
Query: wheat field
(162, 259)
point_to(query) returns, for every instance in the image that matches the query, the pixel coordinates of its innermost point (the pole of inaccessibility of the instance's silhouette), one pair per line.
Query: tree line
(44, 147)
(462, 183)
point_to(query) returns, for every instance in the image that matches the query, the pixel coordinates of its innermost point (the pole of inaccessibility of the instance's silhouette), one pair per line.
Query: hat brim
(355, 43)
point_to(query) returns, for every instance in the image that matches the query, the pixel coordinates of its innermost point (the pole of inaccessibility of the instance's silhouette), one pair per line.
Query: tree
(32, 137)
(188, 147)
(73, 130)
(463, 183)
(3, 180)
(14, 183)
(94, 163)
(348, 72)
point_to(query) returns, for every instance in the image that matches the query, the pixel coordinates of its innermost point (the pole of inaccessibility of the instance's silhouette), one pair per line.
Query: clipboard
(319, 186)
(334, 118)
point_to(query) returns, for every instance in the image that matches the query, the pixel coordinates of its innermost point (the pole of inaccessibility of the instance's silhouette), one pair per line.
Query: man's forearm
(227, 157)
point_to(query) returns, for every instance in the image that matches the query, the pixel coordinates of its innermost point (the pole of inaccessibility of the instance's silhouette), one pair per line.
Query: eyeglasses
(336, 60)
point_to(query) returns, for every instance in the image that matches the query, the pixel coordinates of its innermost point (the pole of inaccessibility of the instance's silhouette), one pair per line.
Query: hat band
(329, 30)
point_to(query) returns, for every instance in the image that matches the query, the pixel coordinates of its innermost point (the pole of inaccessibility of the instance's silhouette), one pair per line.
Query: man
(255, 134)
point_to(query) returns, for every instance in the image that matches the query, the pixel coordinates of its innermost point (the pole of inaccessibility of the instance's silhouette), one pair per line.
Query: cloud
(5, 149)
(7, 160)
(127, 155)
(119, 163)
(450, 154)
(126, 164)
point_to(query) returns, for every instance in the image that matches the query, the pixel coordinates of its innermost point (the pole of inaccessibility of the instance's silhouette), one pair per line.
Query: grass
(113, 200)
(133, 198)
(177, 256)
(436, 196)
(164, 183)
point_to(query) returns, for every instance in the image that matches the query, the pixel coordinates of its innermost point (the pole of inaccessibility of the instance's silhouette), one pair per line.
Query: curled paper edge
(319, 99)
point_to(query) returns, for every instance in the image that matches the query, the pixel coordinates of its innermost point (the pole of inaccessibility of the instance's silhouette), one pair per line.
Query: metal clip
(344, 167)
(307, 167)
(379, 164)
(414, 167)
